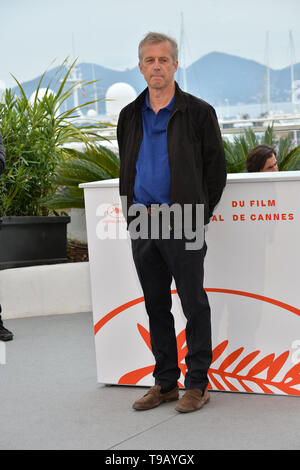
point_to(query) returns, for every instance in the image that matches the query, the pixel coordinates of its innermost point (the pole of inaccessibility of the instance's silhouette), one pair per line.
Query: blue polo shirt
(152, 181)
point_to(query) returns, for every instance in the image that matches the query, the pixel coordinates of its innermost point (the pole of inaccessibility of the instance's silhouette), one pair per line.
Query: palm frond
(66, 199)
(289, 159)
(95, 164)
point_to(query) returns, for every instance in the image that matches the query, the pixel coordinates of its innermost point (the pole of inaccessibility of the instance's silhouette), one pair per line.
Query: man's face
(157, 65)
(271, 164)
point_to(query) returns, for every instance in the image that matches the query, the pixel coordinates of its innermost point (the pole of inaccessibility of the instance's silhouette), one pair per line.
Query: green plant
(236, 152)
(97, 163)
(34, 134)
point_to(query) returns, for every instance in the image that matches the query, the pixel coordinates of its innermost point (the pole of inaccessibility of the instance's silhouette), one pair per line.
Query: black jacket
(2, 156)
(195, 148)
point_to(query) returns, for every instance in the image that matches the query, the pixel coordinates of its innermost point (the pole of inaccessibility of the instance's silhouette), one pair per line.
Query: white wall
(45, 290)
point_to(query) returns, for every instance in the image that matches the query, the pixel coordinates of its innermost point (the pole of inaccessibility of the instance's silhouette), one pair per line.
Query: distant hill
(215, 77)
(218, 77)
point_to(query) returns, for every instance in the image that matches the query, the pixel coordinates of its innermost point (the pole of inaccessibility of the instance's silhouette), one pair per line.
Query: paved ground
(50, 399)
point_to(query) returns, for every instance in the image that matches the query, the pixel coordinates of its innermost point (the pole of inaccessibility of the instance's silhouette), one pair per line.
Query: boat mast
(267, 73)
(182, 53)
(295, 84)
(74, 78)
(292, 51)
(95, 88)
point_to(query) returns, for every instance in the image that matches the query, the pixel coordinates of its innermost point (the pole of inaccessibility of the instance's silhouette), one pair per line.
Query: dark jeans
(157, 261)
(1, 322)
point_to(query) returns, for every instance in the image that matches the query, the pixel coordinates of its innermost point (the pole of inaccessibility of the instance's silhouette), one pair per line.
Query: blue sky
(34, 33)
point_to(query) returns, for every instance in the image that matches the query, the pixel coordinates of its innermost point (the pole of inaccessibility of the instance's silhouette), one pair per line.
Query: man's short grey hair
(154, 38)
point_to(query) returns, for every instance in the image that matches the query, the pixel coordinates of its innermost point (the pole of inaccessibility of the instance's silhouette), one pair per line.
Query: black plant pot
(32, 241)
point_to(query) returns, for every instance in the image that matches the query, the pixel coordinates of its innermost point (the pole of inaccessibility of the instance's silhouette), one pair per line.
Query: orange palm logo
(235, 371)
(135, 376)
(269, 364)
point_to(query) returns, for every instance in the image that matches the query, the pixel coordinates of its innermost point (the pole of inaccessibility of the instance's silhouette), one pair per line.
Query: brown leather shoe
(192, 400)
(154, 398)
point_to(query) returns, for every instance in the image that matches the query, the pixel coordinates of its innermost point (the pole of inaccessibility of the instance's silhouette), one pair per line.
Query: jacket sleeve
(214, 160)
(120, 131)
(2, 156)
(120, 137)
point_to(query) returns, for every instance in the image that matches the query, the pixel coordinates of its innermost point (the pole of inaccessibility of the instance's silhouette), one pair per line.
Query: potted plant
(34, 135)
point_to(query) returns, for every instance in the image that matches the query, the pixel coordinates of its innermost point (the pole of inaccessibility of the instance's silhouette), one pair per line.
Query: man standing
(171, 152)
(5, 335)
